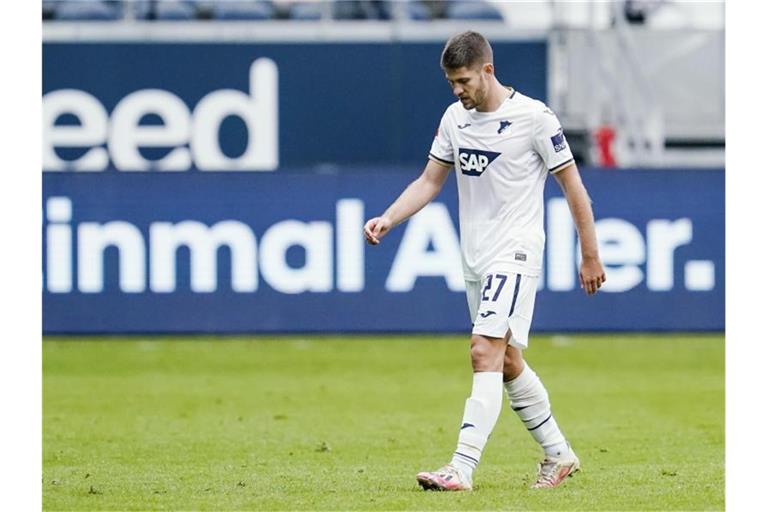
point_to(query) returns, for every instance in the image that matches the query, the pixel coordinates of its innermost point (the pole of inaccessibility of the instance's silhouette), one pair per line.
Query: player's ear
(488, 68)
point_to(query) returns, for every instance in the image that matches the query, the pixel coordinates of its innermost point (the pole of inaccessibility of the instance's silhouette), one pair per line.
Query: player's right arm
(415, 197)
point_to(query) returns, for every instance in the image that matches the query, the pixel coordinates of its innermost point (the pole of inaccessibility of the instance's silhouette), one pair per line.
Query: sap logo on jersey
(189, 138)
(473, 162)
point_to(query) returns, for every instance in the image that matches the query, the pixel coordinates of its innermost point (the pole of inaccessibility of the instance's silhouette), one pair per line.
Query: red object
(604, 137)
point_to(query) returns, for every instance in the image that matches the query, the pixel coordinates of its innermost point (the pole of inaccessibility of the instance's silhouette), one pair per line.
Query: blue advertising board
(223, 252)
(135, 106)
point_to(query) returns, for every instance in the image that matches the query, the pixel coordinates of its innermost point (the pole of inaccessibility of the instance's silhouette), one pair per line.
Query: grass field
(345, 424)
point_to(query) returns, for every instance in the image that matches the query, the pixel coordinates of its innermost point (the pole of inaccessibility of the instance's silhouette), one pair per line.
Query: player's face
(470, 85)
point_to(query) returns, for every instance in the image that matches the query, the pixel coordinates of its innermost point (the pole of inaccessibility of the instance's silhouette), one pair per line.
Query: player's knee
(487, 353)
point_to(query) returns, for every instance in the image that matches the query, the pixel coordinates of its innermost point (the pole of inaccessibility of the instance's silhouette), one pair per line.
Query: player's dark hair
(468, 49)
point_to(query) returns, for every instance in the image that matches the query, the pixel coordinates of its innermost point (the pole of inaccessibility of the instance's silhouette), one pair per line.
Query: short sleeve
(549, 141)
(442, 149)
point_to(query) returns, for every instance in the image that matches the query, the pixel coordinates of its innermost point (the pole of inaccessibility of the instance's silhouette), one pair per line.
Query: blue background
(339, 103)
(262, 199)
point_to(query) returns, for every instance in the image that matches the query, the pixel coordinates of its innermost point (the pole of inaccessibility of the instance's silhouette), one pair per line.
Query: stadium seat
(176, 11)
(361, 10)
(417, 11)
(165, 10)
(242, 10)
(49, 9)
(413, 10)
(473, 11)
(306, 11)
(90, 10)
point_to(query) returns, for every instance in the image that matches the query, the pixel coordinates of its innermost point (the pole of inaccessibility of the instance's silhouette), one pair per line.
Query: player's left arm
(591, 274)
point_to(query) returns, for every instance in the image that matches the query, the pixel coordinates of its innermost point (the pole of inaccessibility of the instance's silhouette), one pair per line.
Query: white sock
(530, 401)
(481, 410)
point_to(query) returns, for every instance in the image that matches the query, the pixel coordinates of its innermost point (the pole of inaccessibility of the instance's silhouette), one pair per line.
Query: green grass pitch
(345, 423)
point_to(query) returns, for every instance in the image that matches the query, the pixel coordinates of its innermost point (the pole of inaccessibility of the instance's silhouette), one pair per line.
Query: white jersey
(502, 159)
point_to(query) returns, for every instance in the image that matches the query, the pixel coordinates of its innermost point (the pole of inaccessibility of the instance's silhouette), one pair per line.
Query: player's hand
(376, 228)
(591, 275)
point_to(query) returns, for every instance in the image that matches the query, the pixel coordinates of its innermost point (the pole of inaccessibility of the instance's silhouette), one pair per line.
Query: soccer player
(502, 145)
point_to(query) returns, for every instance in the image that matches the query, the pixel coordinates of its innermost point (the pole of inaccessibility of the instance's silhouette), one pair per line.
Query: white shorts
(502, 301)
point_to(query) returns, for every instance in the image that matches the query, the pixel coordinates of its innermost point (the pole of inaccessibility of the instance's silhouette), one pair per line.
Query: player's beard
(472, 102)
(478, 99)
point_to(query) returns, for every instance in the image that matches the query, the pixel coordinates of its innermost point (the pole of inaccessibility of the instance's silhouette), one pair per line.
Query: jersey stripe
(561, 166)
(514, 295)
(440, 160)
